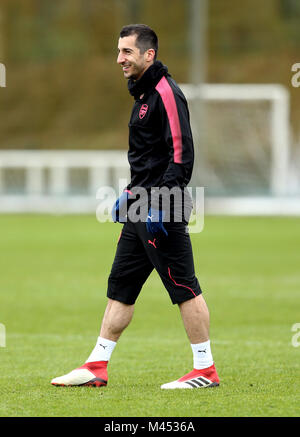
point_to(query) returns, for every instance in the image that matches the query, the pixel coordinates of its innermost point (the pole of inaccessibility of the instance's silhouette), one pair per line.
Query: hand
(154, 222)
(119, 210)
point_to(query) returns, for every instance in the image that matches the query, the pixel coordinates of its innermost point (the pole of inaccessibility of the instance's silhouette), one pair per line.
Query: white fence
(238, 150)
(58, 181)
(62, 182)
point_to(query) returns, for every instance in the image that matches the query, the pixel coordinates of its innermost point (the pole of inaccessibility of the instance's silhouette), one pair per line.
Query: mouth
(125, 68)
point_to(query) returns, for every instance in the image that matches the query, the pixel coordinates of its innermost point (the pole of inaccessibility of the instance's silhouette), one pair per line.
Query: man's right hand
(119, 210)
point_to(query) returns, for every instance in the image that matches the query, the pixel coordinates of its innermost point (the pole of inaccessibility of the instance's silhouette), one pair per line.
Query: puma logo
(152, 242)
(203, 351)
(102, 346)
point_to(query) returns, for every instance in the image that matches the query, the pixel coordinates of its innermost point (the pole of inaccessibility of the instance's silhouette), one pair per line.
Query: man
(160, 155)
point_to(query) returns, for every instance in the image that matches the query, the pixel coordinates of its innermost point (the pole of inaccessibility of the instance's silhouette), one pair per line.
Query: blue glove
(119, 210)
(154, 222)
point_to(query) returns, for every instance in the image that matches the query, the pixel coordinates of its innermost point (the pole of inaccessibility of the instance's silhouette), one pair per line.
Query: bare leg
(116, 318)
(195, 316)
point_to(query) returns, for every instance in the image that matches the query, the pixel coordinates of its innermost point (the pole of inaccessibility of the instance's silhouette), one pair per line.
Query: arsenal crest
(143, 111)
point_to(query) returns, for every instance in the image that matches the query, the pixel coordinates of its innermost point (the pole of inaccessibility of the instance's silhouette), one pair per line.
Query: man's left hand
(155, 223)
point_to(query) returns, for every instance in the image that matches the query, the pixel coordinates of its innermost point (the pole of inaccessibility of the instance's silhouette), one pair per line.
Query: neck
(145, 69)
(149, 78)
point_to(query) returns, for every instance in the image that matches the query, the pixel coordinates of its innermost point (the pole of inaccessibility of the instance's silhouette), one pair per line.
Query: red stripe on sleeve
(169, 102)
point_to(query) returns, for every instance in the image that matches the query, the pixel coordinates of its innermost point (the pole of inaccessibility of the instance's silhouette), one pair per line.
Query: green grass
(53, 293)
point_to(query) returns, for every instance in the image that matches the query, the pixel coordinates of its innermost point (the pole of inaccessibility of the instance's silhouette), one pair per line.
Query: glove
(154, 223)
(119, 210)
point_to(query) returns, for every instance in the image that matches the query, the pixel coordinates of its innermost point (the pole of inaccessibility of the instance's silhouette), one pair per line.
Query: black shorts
(138, 253)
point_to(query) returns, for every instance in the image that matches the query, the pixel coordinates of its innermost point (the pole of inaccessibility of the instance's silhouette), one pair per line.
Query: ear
(150, 54)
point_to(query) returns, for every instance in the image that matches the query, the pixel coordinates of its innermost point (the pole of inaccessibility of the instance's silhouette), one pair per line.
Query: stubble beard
(136, 74)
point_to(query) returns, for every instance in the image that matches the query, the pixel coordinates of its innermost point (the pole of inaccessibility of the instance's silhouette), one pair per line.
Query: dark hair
(146, 38)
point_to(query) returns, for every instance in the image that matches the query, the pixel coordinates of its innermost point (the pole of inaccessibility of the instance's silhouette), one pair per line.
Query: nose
(120, 58)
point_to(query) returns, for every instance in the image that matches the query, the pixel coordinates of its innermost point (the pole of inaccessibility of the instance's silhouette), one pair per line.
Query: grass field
(53, 293)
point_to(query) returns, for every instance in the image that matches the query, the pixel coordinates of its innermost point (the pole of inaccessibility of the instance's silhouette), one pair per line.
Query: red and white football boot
(92, 374)
(196, 379)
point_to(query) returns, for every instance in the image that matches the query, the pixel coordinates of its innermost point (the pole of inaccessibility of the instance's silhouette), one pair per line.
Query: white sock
(102, 351)
(202, 355)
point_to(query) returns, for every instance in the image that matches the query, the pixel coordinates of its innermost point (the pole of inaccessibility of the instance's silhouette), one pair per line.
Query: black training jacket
(161, 151)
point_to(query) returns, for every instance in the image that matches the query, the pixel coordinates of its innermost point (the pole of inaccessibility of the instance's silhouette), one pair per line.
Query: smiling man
(161, 156)
(136, 59)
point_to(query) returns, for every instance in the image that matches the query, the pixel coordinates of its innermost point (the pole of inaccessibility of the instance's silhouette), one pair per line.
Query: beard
(134, 72)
